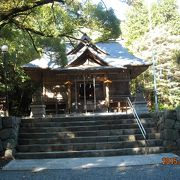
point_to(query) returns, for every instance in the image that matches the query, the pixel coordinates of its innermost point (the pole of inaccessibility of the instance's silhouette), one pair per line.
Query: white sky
(117, 5)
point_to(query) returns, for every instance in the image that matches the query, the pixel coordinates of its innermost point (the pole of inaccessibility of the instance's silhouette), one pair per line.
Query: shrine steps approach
(86, 136)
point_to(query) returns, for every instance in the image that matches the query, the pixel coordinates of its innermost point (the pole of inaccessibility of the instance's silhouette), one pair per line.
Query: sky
(117, 5)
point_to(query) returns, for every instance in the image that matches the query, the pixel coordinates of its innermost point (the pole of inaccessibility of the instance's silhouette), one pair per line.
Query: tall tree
(28, 26)
(105, 21)
(137, 21)
(163, 44)
(163, 12)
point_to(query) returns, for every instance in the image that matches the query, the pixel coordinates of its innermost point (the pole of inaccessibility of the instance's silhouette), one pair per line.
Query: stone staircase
(86, 136)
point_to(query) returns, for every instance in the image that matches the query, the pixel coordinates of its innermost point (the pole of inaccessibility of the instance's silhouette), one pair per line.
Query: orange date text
(173, 161)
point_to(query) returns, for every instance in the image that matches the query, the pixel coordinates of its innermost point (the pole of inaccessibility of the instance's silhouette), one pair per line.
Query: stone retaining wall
(9, 127)
(168, 123)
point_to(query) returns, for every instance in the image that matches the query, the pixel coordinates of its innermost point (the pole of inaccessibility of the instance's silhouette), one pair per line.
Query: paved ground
(110, 168)
(148, 172)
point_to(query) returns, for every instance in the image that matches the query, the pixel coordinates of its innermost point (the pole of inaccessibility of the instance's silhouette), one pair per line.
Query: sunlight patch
(38, 169)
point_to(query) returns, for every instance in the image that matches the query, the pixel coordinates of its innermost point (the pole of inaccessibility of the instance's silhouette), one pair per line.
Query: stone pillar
(37, 106)
(140, 103)
(68, 84)
(107, 101)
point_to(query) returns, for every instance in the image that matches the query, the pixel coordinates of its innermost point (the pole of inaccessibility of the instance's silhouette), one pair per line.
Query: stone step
(89, 139)
(87, 146)
(81, 123)
(86, 136)
(90, 117)
(82, 128)
(89, 153)
(74, 134)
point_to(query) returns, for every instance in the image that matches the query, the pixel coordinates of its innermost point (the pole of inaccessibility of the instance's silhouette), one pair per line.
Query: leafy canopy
(29, 26)
(163, 12)
(162, 43)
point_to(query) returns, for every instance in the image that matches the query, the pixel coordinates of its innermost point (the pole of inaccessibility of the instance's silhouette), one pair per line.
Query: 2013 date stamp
(168, 161)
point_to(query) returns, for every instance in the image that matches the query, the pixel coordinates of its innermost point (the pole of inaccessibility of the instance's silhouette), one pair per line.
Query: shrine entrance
(92, 81)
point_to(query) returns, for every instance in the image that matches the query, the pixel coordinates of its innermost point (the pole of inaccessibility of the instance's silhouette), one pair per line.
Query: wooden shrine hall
(96, 79)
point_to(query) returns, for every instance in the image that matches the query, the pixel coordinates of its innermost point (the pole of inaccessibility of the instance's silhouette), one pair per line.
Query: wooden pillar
(85, 103)
(42, 86)
(68, 84)
(94, 86)
(119, 106)
(76, 103)
(107, 82)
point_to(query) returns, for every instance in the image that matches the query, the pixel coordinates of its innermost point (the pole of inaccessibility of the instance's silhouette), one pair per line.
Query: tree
(165, 40)
(137, 22)
(163, 12)
(29, 26)
(166, 49)
(105, 21)
(166, 12)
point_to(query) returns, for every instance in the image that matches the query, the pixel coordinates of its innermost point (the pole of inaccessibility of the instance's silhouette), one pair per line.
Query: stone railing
(9, 127)
(168, 122)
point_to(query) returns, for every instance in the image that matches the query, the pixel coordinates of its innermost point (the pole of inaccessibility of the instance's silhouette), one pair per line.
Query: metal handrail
(141, 127)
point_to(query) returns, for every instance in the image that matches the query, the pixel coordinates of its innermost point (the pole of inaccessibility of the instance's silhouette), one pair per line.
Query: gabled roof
(109, 54)
(119, 55)
(86, 55)
(85, 41)
(85, 44)
(93, 56)
(47, 61)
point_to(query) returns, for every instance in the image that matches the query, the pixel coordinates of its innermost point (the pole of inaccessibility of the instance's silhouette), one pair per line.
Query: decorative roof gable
(87, 57)
(86, 54)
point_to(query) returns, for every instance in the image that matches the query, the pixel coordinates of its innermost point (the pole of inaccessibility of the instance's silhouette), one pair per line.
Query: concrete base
(92, 162)
(38, 110)
(140, 107)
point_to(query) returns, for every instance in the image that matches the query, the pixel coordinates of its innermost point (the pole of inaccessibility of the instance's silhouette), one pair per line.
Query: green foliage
(19, 87)
(176, 56)
(101, 20)
(54, 45)
(27, 32)
(39, 29)
(137, 22)
(109, 25)
(165, 39)
(163, 12)
(21, 49)
(166, 49)
(28, 27)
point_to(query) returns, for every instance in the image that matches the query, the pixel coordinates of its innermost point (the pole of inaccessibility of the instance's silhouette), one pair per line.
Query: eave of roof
(117, 57)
